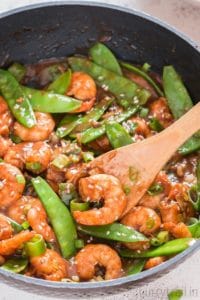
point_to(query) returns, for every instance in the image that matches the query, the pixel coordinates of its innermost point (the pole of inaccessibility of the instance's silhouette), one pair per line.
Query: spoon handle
(168, 141)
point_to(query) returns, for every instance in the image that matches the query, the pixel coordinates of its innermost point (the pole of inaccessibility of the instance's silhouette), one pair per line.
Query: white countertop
(185, 15)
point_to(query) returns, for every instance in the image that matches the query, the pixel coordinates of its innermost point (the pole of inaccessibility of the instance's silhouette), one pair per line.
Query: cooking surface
(185, 16)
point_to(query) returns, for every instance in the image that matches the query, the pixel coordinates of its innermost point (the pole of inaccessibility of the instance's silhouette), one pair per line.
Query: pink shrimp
(101, 187)
(98, 255)
(31, 209)
(6, 119)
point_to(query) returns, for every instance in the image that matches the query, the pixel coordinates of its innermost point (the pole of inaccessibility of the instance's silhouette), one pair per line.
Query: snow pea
(59, 216)
(78, 123)
(136, 267)
(115, 232)
(192, 145)
(50, 102)
(17, 70)
(179, 102)
(92, 134)
(102, 56)
(15, 264)
(168, 249)
(144, 75)
(117, 135)
(17, 100)
(177, 95)
(61, 84)
(126, 91)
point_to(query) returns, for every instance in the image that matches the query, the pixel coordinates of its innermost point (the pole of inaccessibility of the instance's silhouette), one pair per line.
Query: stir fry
(62, 220)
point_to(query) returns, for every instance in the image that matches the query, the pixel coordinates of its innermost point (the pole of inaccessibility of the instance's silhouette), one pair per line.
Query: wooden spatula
(137, 165)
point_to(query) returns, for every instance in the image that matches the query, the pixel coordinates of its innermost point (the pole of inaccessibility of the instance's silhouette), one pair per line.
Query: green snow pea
(50, 102)
(17, 70)
(102, 56)
(61, 84)
(15, 264)
(117, 135)
(59, 216)
(17, 100)
(115, 232)
(126, 91)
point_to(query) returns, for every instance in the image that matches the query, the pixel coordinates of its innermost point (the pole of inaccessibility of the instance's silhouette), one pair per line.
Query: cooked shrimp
(142, 127)
(160, 110)
(40, 132)
(179, 230)
(34, 156)
(153, 262)
(6, 229)
(101, 187)
(49, 266)
(101, 255)
(153, 201)
(5, 143)
(143, 219)
(31, 209)
(83, 88)
(6, 119)
(9, 246)
(12, 184)
(170, 211)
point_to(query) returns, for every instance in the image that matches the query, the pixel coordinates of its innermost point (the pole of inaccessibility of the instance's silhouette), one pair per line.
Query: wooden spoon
(137, 165)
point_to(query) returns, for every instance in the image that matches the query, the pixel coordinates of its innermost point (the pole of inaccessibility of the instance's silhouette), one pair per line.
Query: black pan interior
(58, 31)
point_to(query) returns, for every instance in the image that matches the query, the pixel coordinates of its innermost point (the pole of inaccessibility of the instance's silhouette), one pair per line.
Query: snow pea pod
(168, 249)
(17, 70)
(115, 232)
(16, 226)
(15, 264)
(59, 216)
(192, 145)
(17, 100)
(177, 95)
(92, 134)
(50, 102)
(144, 75)
(61, 84)
(102, 56)
(136, 267)
(126, 91)
(117, 135)
(77, 123)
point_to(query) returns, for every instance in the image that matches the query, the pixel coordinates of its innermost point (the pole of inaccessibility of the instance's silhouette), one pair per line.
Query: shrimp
(49, 266)
(6, 229)
(31, 209)
(170, 211)
(12, 184)
(75, 172)
(5, 143)
(179, 230)
(153, 201)
(101, 187)
(40, 132)
(6, 119)
(153, 262)
(143, 219)
(95, 255)
(83, 87)
(34, 156)
(160, 110)
(142, 127)
(9, 246)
